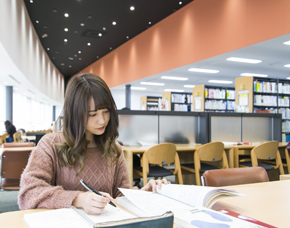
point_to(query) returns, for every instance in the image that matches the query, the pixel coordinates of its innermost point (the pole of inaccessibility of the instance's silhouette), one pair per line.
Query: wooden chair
(13, 163)
(155, 158)
(234, 176)
(3, 138)
(16, 137)
(206, 158)
(265, 155)
(24, 144)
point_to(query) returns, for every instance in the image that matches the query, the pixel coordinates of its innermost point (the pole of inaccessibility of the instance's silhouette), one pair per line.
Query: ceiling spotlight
(90, 17)
(97, 57)
(70, 58)
(75, 55)
(75, 31)
(104, 28)
(100, 34)
(66, 29)
(132, 8)
(89, 44)
(54, 10)
(37, 22)
(203, 70)
(82, 24)
(66, 15)
(174, 78)
(149, 22)
(31, 1)
(80, 58)
(65, 40)
(62, 64)
(80, 52)
(220, 81)
(45, 26)
(180, 3)
(44, 35)
(114, 23)
(111, 48)
(48, 49)
(127, 37)
(69, 66)
(243, 60)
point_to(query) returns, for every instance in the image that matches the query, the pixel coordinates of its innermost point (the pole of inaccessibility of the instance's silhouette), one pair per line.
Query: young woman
(85, 149)
(10, 128)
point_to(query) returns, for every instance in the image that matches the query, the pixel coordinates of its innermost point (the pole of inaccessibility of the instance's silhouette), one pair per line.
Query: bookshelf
(213, 99)
(178, 101)
(149, 103)
(268, 95)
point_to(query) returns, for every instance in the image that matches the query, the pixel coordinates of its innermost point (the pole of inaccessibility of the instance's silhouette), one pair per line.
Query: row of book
(222, 105)
(219, 93)
(283, 101)
(284, 88)
(265, 87)
(285, 113)
(265, 100)
(180, 107)
(181, 98)
(286, 126)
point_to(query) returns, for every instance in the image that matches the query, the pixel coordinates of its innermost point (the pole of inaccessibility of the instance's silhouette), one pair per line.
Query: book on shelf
(110, 217)
(171, 197)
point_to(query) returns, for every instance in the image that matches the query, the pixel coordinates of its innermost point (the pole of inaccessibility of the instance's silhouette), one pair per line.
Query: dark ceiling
(86, 20)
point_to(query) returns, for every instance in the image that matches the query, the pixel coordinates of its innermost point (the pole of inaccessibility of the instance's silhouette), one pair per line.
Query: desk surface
(268, 202)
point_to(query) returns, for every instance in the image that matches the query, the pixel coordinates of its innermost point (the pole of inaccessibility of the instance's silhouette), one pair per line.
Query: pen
(90, 188)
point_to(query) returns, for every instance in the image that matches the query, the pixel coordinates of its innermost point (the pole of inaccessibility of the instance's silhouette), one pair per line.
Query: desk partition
(154, 127)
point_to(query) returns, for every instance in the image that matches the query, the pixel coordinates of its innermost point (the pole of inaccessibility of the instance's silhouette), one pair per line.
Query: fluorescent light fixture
(220, 81)
(138, 88)
(152, 83)
(189, 86)
(243, 60)
(287, 65)
(287, 42)
(288, 78)
(174, 90)
(174, 78)
(203, 70)
(255, 75)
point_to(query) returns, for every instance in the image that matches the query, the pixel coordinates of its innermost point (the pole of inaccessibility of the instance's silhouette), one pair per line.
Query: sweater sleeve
(122, 176)
(37, 188)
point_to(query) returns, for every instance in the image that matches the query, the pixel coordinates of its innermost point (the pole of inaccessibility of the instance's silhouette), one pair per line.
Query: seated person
(85, 149)
(10, 128)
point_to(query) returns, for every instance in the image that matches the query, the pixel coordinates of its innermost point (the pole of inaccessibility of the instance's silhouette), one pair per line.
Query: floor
(8, 201)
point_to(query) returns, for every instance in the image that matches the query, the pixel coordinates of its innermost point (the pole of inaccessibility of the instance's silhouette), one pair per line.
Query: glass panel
(225, 129)
(138, 130)
(179, 129)
(257, 129)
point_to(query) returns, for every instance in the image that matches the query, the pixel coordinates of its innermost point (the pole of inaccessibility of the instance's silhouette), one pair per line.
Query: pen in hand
(90, 188)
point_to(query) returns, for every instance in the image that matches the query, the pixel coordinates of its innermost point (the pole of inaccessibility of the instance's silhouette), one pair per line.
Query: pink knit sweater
(44, 184)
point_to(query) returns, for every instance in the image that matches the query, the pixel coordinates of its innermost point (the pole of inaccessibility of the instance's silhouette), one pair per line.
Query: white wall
(120, 100)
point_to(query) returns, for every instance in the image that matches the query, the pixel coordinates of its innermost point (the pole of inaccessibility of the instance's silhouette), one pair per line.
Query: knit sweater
(44, 184)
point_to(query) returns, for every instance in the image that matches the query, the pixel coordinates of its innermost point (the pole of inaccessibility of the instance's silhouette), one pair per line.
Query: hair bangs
(102, 100)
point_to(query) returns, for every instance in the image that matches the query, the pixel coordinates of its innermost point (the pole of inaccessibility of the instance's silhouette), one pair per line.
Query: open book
(172, 197)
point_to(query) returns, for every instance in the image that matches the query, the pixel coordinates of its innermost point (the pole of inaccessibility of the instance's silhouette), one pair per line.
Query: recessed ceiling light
(127, 37)
(70, 58)
(174, 90)
(203, 70)
(287, 42)
(48, 49)
(114, 23)
(75, 55)
(104, 28)
(100, 34)
(152, 83)
(132, 8)
(149, 22)
(75, 31)
(31, 1)
(80, 58)
(97, 57)
(111, 48)
(82, 24)
(220, 81)
(65, 40)
(180, 3)
(287, 65)
(254, 75)
(44, 35)
(37, 22)
(90, 17)
(80, 52)
(54, 10)
(288, 78)
(189, 86)
(243, 60)
(89, 44)
(137, 88)
(66, 15)
(69, 66)
(62, 64)
(174, 78)
(66, 29)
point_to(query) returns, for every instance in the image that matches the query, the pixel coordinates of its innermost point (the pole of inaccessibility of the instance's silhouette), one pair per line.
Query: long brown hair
(80, 89)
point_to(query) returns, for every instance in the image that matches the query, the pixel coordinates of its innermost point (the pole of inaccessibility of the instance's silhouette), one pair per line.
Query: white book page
(60, 218)
(191, 194)
(109, 214)
(153, 203)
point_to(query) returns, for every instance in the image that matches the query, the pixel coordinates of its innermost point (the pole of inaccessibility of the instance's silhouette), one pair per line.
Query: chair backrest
(13, 163)
(24, 144)
(211, 152)
(234, 176)
(16, 137)
(266, 151)
(161, 154)
(3, 138)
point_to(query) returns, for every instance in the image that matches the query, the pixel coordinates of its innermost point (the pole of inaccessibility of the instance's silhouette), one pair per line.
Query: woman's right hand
(92, 203)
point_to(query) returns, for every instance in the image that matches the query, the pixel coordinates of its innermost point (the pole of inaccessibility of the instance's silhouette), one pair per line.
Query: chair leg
(197, 178)
(178, 178)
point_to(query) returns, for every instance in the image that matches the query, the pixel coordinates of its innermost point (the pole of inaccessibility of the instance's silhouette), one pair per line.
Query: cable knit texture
(44, 184)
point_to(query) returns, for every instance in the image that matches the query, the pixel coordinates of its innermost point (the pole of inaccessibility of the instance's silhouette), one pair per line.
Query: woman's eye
(92, 115)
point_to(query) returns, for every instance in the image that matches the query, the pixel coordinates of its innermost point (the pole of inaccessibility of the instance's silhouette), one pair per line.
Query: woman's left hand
(152, 185)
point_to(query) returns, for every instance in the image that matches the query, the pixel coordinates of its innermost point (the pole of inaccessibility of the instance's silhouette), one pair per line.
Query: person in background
(85, 149)
(10, 128)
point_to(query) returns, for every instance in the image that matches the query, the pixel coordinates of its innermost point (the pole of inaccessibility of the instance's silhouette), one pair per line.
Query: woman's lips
(101, 128)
